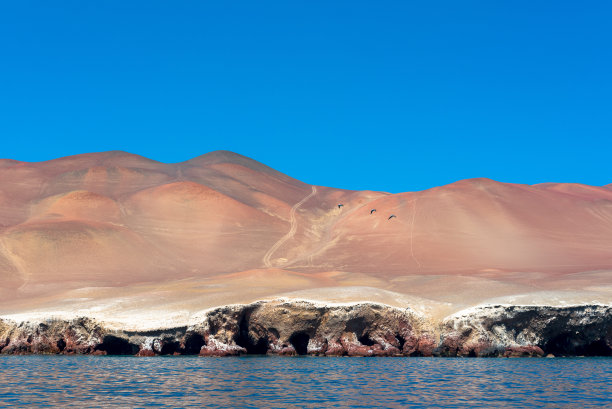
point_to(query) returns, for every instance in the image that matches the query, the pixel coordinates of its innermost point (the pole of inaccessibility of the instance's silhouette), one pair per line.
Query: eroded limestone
(361, 329)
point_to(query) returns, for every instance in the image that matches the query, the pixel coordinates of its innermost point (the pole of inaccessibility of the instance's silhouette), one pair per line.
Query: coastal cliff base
(359, 329)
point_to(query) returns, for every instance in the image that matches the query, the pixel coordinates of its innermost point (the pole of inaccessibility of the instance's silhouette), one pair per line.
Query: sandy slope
(122, 237)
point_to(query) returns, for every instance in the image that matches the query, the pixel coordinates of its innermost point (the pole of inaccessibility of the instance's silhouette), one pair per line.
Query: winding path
(293, 220)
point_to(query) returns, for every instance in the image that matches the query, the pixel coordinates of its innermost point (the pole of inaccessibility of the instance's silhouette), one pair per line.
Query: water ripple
(304, 382)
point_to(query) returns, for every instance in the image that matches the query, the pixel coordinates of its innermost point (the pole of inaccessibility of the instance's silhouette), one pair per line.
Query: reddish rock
(523, 351)
(317, 346)
(450, 345)
(354, 347)
(378, 350)
(334, 349)
(286, 351)
(359, 350)
(145, 352)
(390, 339)
(216, 348)
(218, 352)
(17, 347)
(410, 345)
(426, 346)
(392, 351)
(478, 348)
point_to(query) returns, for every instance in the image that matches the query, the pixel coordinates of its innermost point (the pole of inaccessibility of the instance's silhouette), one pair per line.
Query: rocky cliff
(506, 330)
(360, 329)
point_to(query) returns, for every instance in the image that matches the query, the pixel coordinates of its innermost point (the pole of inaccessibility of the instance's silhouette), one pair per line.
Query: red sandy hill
(230, 224)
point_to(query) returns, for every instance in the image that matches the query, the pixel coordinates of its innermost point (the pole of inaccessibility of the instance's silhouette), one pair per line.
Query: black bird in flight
(372, 211)
(391, 217)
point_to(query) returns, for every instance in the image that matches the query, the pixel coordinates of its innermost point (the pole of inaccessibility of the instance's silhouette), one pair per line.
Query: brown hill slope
(220, 228)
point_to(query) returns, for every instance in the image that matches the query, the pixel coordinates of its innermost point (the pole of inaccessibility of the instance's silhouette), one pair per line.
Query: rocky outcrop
(300, 328)
(79, 336)
(86, 336)
(506, 330)
(304, 328)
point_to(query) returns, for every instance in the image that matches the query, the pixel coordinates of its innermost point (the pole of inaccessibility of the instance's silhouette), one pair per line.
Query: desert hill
(115, 233)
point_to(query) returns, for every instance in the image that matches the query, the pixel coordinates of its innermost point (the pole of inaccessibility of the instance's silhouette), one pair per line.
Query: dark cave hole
(170, 347)
(366, 340)
(575, 344)
(401, 341)
(61, 344)
(259, 347)
(243, 339)
(117, 346)
(193, 343)
(356, 325)
(299, 340)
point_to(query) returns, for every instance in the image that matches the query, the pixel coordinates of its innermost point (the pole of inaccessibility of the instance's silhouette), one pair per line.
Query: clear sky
(383, 95)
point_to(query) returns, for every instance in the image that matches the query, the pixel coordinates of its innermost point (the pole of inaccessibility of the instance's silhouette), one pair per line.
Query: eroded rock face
(304, 328)
(300, 328)
(528, 331)
(79, 336)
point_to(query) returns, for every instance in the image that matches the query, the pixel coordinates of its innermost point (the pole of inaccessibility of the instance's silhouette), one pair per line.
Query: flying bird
(391, 217)
(372, 211)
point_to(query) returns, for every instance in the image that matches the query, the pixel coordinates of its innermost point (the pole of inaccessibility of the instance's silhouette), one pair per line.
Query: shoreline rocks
(507, 330)
(362, 329)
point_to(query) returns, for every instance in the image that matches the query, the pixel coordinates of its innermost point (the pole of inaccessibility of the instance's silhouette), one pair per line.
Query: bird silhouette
(391, 217)
(372, 211)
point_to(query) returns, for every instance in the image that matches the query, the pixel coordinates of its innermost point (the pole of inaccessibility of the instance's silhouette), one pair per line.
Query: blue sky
(385, 95)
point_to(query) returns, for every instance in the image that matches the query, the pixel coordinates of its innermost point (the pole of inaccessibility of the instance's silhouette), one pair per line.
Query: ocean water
(304, 382)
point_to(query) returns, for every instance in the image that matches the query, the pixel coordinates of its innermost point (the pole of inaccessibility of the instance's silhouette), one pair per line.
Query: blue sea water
(304, 382)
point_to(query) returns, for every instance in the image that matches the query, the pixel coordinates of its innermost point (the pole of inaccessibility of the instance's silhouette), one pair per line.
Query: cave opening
(253, 347)
(193, 343)
(300, 340)
(170, 347)
(575, 344)
(113, 345)
(61, 344)
(243, 338)
(401, 340)
(366, 340)
(356, 325)
(259, 348)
